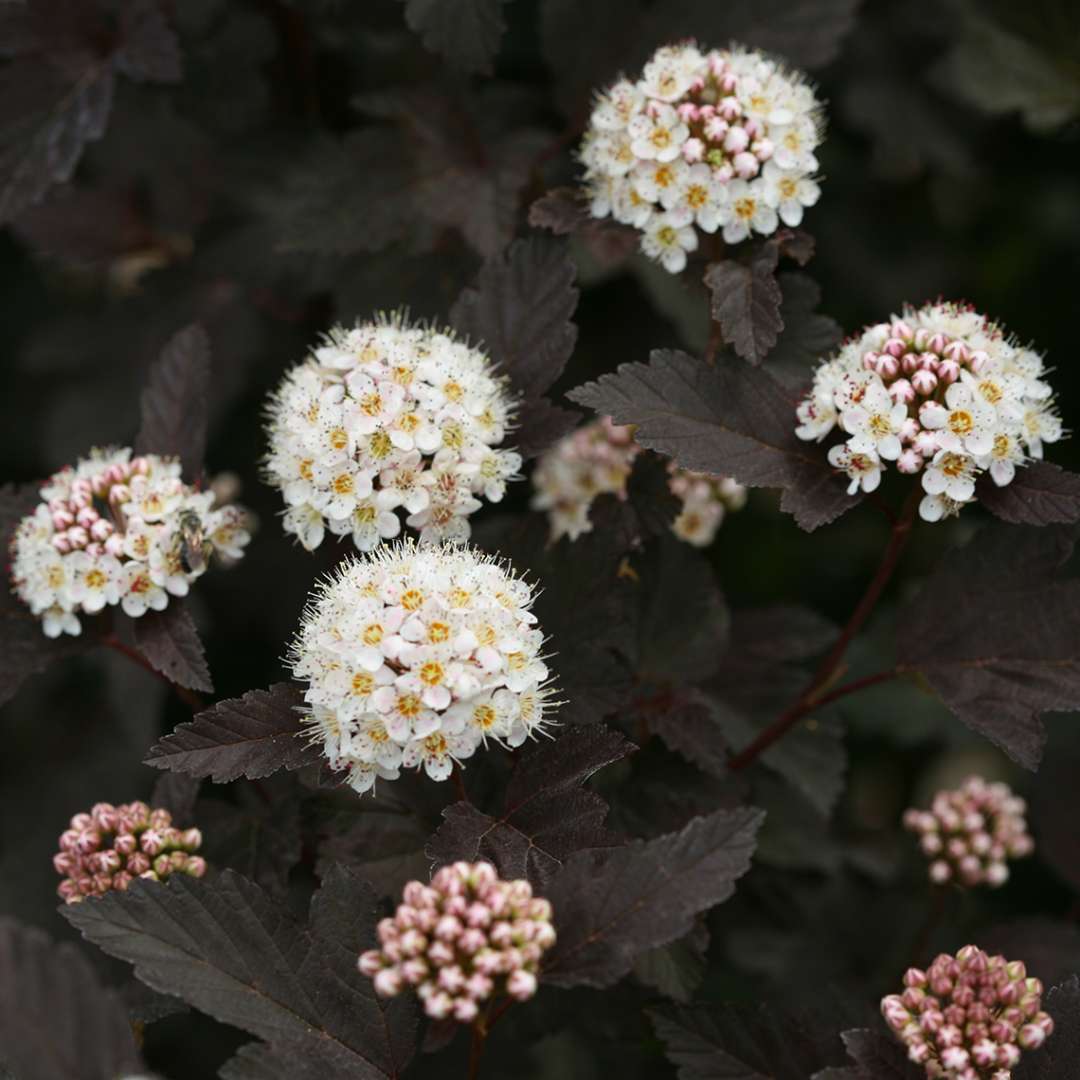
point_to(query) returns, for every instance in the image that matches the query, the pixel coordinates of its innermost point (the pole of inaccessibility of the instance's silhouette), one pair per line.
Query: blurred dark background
(316, 163)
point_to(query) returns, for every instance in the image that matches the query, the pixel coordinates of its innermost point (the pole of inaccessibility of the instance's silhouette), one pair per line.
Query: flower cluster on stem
(461, 941)
(969, 1016)
(118, 530)
(416, 657)
(389, 418)
(940, 391)
(112, 845)
(597, 459)
(723, 139)
(970, 833)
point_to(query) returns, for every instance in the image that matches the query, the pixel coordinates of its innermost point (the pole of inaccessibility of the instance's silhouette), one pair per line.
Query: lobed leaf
(174, 403)
(1040, 494)
(252, 964)
(730, 420)
(746, 304)
(995, 631)
(611, 906)
(57, 1022)
(169, 641)
(252, 736)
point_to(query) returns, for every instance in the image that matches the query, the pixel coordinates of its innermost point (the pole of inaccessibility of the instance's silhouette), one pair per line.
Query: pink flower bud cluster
(112, 845)
(941, 391)
(968, 1017)
(463, 939)
(720, 139)
(597, 459)
(117, 530)
(971, 832)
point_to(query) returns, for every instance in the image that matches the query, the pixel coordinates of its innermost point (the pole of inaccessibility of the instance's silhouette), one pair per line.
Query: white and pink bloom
(415, 657)
(968, 1016)
(116, 530)
(724, 138)
(465, 939)
(597, 459)
(387, 420)
(941, 391)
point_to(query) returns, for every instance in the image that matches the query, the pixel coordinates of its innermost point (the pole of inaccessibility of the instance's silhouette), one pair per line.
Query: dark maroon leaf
(540, 425)
(1056, 1059)
(1049, 948)
(995, 631)
(1040, 494)
(807, 337)
(796, 244)
(57, 1022)
(746, 303)
(520, 311)
(466, 33)
(302, 1061)
(687, 720)
(150, 51)
(878, 1055)
(169, 641)
(547, 814)
(612, 905)
(676, 970)
(648, 491)
(252, 964)
(252, 736)
(174, 403)
(729, 420)
(734, 1043)
(561, 210)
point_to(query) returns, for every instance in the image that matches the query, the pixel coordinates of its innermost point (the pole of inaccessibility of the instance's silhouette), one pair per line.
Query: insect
(195, 548)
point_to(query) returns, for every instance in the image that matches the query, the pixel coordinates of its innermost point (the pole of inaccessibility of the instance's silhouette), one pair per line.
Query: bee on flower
(597, 459)
(415, 657)
(939, 391)
(722, 140)
(384, 421)
(118, 530)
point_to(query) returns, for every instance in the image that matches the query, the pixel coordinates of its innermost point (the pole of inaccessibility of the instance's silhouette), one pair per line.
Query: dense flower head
(969, 1016)
(118, 529)
(939, 390)
(465, 938)
(417, 656)
(112, 845)
(597, 459)
(970, 833)
(723, 139)
(389, 418)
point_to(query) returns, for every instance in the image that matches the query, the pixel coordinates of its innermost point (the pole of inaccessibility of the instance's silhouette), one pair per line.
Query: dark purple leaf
(649, 494)
(676, 970)
(175, 792)
(729, 420)
(252, 964)
(688, 722)
(612, 905)
(169, 641)
(547, 814)
(746, 303)
(1040, 494)
(735, 1043)
(1050, 948)
(540, 425)
(466, 33)
(520, 311)
(1057, 1058)
(252, 736)
(995, 631)
(149, 51)
(174, 403)
(300, 1061)
(561, 211)
(807, 337)
(878, 1055)
(57, 1022)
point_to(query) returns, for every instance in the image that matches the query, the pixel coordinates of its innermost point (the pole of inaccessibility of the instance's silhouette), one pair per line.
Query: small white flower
(139, 592)
(667, 239)
(701, 197)
(875, 422)
(789, 191)
(747, 211)
(658, 136)
(863, 467)
(950, 473)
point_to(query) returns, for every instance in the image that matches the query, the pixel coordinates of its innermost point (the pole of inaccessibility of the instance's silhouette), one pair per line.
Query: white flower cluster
(416, 656)
(940, 391)
(722, 139)
(117, 529)
(597, 459)
(389, 415)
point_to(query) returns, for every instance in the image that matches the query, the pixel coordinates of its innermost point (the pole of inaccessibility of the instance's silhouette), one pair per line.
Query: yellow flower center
(339, 438)
(372, 634)
(362, 683)
(343, 484)
(412, 599)
(961, 422)
(431, 674)
(438, 632)
(744, 208)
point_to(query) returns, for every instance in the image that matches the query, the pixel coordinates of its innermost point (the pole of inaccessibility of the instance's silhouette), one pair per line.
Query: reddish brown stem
(811, 698)
(476, 1049)
(188, 697)
(459, 783)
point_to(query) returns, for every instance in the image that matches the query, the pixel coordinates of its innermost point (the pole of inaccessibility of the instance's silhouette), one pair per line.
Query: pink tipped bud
(693, 150)
(465, 1010)
(521, 985)
(730, 109)
(902, 391)
(370, 963)
(388, 982)
(887, 366)
(924, 382)
(736, 140)
(948, 371)
(763, 149)
(895, 347)
(191, 839)
(746, 165)
(978, 360)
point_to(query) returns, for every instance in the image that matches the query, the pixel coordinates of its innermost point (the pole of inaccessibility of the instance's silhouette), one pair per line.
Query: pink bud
(746, 165)
(687, 110)
(62, 543)
(521, 985)
(978, 361)
(948, 371)
(887, 366)
(716, 127)
(763, 149)
(902, 391)
(370, 963)
(730, 109)
(465, 1010)
(693, 150)
(895, 347)
(388, 982)
(736, 140)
